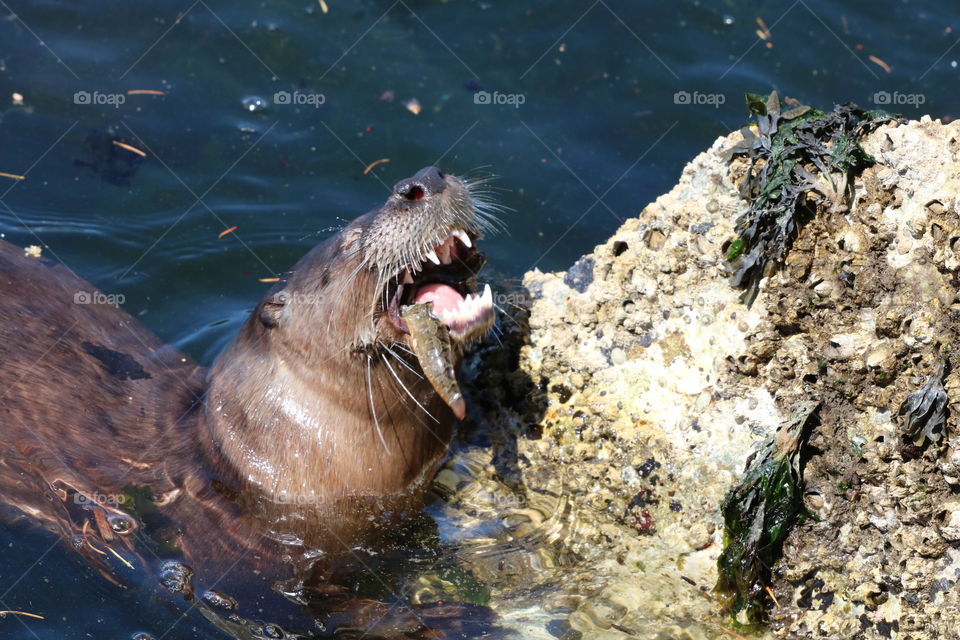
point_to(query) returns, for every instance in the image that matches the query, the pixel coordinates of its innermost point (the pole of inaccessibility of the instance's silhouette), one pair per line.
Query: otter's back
(89, 397)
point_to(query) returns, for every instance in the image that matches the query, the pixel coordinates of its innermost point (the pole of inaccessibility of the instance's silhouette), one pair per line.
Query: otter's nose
(427, 182)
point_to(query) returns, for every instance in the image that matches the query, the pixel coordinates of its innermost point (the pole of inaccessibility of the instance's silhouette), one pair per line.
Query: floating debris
(226, 231)
(22, 613)
(33, 251)
(83, 534)
(925, 411)
(387, 96)
(132, 149)
(375, 163)
(785, 151)
(763, 32)
(880, 63)
(759, 513)
(146, 92)
(12, 176)
(109, 160)
(17, 99)
(120, 558)
(324, 7)
(413, 106)
(269, 279)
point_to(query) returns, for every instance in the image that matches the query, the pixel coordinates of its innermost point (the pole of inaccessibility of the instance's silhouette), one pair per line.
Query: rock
(648, 384)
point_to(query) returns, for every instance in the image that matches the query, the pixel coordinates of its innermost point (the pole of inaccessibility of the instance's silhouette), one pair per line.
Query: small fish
(430, 341)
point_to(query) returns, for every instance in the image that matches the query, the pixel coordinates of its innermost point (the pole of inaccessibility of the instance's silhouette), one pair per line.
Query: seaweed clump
(759, 513)
(785, 150)
(924, 412)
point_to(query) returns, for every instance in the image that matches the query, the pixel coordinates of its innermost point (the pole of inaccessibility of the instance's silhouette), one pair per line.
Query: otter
(319, 426)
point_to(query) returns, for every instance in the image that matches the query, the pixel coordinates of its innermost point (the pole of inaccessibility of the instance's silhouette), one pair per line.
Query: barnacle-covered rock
(620, 414)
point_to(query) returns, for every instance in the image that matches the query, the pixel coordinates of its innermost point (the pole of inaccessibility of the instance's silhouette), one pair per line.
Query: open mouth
(435, 304)
(446, 280)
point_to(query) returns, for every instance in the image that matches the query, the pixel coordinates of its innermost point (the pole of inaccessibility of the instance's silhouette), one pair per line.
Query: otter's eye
(413, 193)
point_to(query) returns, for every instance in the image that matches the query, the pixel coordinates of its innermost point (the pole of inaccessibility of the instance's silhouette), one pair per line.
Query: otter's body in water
(316, 427)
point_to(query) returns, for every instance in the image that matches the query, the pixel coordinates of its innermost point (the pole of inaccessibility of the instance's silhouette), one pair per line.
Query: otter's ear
(271, 309)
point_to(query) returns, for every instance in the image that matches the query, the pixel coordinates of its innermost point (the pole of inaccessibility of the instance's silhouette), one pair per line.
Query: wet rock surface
(629, 392)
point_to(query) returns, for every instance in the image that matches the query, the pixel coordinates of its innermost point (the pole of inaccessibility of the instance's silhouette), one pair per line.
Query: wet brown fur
(273, 452)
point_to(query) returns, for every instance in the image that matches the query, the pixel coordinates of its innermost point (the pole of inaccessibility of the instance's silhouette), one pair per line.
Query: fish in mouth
(431, 298)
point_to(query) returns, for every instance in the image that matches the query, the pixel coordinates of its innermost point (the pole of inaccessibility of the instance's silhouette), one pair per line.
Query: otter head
(352, 354)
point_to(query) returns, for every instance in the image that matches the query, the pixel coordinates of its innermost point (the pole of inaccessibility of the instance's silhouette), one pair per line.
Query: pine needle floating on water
(269, 279)
(12, 176)
(324, 7)
(227, 231)
(880, 63)
(375, 163)
(146, 92)
(124, 145)
(22, 613)
(83, 533)
(763, 32)
(120, 557)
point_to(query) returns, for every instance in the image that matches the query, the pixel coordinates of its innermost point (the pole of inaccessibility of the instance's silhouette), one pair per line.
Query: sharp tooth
(407, 278)
(432, 256)
(487, 295)
(464, 238)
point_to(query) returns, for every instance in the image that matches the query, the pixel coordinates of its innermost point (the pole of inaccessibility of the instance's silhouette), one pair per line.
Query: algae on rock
(784, 154)
(759, 513)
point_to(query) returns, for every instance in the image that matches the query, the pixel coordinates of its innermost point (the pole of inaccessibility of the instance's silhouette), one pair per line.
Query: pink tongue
(442, 296)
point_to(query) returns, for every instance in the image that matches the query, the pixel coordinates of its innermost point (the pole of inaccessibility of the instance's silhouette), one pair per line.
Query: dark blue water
(594, 109)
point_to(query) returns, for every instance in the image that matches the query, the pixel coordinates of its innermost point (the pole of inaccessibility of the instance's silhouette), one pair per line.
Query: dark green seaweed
(758, 514)
(924, 412)
(786, 152)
